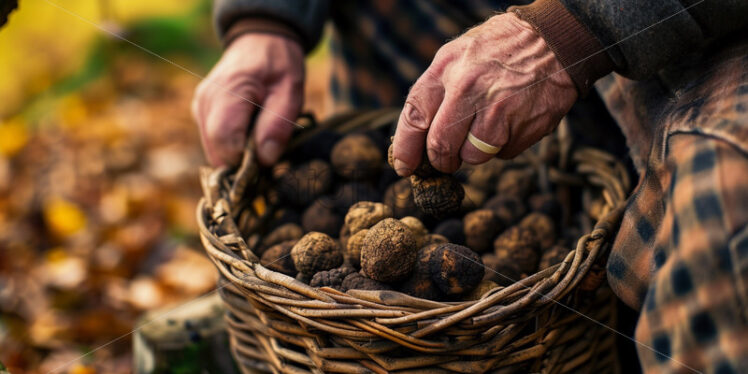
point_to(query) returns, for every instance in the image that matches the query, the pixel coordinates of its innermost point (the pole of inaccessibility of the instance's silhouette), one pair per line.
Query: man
(678, 90)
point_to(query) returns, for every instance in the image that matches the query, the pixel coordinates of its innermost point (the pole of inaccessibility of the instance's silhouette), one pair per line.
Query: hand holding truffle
(499, 82)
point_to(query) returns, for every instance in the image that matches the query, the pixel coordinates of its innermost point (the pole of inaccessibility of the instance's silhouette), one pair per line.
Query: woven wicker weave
(549, 322)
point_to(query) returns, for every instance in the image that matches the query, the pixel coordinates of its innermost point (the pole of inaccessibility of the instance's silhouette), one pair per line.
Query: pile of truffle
(349, 222)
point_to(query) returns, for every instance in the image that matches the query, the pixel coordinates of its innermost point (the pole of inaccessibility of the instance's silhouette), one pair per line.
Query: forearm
(631, 37)
(300, 20)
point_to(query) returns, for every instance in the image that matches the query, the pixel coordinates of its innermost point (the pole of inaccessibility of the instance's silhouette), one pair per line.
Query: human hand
(265, 69)
(499, 81)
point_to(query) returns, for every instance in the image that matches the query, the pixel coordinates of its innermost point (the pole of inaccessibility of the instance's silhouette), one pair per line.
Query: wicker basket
(551, 322)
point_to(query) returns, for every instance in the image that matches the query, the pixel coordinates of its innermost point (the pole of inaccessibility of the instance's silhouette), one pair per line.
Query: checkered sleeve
(695, 312)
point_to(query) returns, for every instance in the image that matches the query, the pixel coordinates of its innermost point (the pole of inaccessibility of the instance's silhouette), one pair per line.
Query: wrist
(579, 52)
(254, 25)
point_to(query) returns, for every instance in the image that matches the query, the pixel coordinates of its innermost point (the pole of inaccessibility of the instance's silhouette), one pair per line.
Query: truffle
(553, 256)
(509, 209)
(356, 157)
(332, 278)
(474, 198)
(345, 235)
(399, 197)
(389, 251)
(517, 245)
(484, 286)
(452, 230)
(545, 203)
(305, 183)
(455, 269)
(318, 145)
(357, 281)
(415, 225)
(501, 272)
(282, 233)
(480, 228)
(420, 283)
(353, 192)
(353, 248)
(484, 176)
(278, 258)
(516, 182)
(303, 278)
(322, 217)
(315, 252)
(542, 227)
(439, 196)
(432, 239)
(365, 214)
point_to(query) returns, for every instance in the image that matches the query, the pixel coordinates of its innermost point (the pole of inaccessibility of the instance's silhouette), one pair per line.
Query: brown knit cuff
(258, 25)
(579, 52)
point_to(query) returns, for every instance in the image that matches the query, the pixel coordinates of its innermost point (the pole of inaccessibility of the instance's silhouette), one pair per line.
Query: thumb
(226, 128)
(275, 123)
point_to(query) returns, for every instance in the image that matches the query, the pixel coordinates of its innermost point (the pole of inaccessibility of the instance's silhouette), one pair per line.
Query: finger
(225, 130)
(275, 123)
(448, 131)
(410, 136)
(490, 128)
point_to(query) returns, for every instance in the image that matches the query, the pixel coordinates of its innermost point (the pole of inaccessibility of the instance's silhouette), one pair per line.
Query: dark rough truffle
(546, 204)
(322, 217)
(439, 196)
(516, 182)
(455, 269)
(305, 183)
(365, 214)
(420, 283)
(356, 157)
(509, 209)
(452, 230)
(315, 252)
(542, 227)
(357, 281)
(353, 192)
(399, 197)
(353, 248)
(278, 258)
(288, 231)
(480, 228)
(553, 256)
(389, 251)
(501, 272)
(517, 245)
(331, 278)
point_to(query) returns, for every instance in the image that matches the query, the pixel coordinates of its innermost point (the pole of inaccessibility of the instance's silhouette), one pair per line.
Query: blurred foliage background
(98, 174)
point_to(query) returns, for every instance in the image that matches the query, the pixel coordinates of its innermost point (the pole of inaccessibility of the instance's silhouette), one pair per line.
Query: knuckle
(413, 116)
(439, 145)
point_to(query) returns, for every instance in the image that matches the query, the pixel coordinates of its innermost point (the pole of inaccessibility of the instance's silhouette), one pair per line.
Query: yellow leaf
(13, 137)
(63, 217)
(81, 369)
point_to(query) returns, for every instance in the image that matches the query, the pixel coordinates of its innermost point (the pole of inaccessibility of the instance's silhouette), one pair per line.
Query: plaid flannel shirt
(681, 255)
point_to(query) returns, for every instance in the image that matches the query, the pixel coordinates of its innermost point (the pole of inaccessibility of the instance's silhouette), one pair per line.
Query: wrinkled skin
(264, 69)
(499, 80)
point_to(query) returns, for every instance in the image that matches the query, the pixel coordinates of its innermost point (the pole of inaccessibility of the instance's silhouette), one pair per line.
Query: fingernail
(270, 150)
(400, 168)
